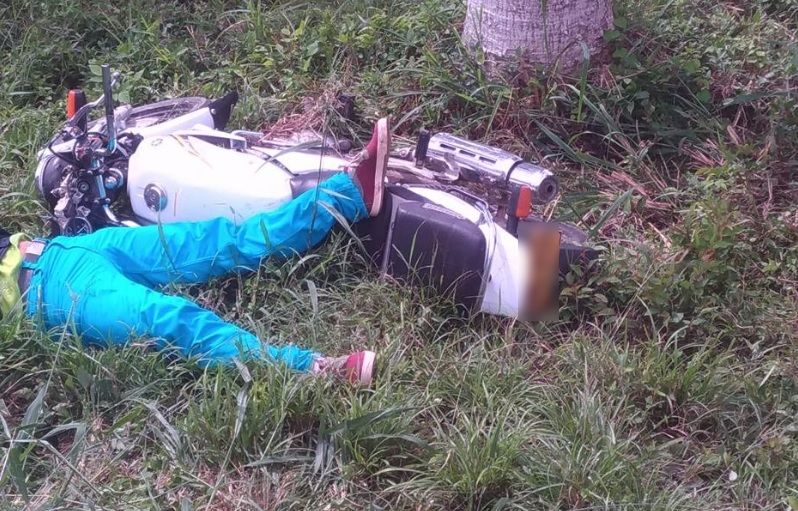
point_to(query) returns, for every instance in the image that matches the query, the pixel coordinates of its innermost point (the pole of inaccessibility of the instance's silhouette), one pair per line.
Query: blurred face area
(541, 293)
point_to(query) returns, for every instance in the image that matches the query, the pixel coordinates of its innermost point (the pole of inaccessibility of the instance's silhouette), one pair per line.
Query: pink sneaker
(357, 368)
(370, 171)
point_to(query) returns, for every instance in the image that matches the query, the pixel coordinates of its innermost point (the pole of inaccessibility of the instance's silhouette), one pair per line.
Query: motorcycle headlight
(49, 173)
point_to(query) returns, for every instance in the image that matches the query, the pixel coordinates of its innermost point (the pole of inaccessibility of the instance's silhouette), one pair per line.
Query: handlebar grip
(109, 106)
(109, 102)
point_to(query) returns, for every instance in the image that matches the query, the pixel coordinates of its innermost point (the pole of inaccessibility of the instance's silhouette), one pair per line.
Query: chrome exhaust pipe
(543, 183)
(479, 162)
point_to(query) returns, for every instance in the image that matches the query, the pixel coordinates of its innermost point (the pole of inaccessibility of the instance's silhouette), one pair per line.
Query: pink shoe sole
(366, 373)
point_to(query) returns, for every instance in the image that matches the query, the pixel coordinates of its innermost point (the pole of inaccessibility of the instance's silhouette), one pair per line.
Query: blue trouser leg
(100, 282)
(81, 288)
(199, 251)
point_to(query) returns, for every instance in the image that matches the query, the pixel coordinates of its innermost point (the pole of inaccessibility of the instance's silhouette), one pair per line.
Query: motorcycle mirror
(346, 106)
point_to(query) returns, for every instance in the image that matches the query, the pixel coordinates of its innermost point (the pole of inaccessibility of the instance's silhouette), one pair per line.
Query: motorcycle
(172, 161)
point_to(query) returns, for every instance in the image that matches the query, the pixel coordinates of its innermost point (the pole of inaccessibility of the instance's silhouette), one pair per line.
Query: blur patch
(541, 255)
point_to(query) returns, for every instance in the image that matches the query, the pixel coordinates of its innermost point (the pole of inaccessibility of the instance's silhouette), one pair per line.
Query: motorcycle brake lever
(408, 167)
(449, 174)
(450, 167)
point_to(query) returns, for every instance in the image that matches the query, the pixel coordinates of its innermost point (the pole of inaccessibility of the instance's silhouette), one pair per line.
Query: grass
(670, 381)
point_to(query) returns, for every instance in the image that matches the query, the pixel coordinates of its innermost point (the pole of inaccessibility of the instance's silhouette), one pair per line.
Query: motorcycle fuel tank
(179, 179)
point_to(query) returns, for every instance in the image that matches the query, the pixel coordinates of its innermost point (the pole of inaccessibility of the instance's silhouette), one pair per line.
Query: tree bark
(550, 33)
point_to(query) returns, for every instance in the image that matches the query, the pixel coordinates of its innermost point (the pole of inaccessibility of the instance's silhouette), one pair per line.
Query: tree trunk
(544, 32)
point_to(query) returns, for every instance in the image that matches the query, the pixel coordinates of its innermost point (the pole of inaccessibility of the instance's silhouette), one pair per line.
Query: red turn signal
(523, 206)
(76, 98)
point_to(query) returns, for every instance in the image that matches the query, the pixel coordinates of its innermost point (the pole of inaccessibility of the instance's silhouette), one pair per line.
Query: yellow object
(9, 273)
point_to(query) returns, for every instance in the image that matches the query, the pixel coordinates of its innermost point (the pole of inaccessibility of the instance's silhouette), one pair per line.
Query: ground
(668, 383)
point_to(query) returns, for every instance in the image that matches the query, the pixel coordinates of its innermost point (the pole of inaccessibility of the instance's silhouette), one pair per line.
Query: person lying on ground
(107, 283)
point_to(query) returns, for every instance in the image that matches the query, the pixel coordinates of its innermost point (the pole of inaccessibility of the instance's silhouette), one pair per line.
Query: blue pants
(104, 283)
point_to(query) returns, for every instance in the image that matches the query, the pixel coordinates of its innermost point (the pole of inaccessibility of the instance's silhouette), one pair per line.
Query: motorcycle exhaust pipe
(479, 162)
